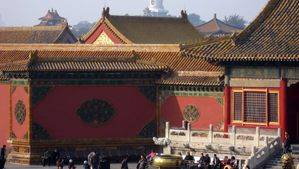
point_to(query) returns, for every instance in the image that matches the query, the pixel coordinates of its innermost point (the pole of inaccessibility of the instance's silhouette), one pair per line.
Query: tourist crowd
(93, 161)
(206, 162)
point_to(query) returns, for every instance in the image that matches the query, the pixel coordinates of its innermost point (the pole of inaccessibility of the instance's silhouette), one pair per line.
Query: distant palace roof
(216, 27)
(52, 18)
(146, 30)
(272, 36)
(37, 34)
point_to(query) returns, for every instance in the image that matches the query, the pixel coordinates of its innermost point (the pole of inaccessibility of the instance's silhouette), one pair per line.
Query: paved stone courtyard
(11, 166)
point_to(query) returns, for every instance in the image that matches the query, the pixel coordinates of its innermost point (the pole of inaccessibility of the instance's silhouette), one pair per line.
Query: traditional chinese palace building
(113, 99)
(261, 70)
(82, 98)
(217, 28)
(37, 34)
(52, 18)
(112, 29)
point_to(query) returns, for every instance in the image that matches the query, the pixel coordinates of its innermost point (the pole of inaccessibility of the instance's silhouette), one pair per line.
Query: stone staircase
(275, 162)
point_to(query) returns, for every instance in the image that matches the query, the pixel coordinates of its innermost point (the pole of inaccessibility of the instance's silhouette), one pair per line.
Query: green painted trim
(19, 82)
(164, 94)
(255, 72)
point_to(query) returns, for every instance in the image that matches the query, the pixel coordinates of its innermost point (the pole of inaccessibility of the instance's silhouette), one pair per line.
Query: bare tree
(235, 20)
(195, 19)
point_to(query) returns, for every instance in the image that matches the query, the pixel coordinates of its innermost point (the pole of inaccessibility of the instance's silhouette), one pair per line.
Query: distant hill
(81, 28)
(195, 19)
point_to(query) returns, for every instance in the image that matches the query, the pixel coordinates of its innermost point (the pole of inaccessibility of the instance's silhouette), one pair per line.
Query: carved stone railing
(185, 137)
(258, 158)
(256, 147)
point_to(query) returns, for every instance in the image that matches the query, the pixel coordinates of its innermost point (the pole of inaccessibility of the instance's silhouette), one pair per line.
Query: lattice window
(238, 100)
(255, 107)
(273, 107)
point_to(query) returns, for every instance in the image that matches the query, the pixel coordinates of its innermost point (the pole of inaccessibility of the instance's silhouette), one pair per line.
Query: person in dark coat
(56, 155)
(189, 157)
(86, 165)
(207, 161)
(287, 143)
(3, 151)
(141, 163)
(202, 161)
(2, 157)
(71, 164)
(124, 163)
(59, 163)
(216, 162)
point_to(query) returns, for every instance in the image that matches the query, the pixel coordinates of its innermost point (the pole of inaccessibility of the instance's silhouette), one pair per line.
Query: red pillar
(226, 107)
(283, 107)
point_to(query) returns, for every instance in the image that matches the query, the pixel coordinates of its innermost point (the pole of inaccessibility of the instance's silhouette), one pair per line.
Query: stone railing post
(233, 135)
(252, 162)
(268, 146)
(246, 164)
(279, 132)
(167, 149)
(189, 132)
(253, 151)
(257, 136)
(211, 134)
(167, 128)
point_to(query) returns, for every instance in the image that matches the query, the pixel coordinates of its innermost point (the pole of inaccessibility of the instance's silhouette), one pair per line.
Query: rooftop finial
(105, 12)
(184, 15)
(215, 16)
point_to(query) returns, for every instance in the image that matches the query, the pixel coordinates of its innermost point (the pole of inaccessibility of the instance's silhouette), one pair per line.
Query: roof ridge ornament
(32, 57)
(184, 15)
(234, 38)
(135, 56)
(105, 12)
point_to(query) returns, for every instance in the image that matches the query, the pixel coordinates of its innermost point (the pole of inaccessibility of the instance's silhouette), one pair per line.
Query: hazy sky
(27, 12)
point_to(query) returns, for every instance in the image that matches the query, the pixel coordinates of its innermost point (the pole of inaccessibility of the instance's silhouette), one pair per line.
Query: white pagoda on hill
(155, 8)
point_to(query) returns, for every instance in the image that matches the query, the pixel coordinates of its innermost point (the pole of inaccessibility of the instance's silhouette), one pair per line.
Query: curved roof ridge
(216, 26)
(105, 20)
(266, 11)
(207, 41)
(204, 23)
(93, 29)
(26, 28)
(65, 30)
(218, 20)
(147, 17)
(92, 47)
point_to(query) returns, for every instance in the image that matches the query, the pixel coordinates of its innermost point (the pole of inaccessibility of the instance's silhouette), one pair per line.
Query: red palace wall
(20, 93)
(210, 111)
(56, 112)
(99, 31)
(4, 113)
